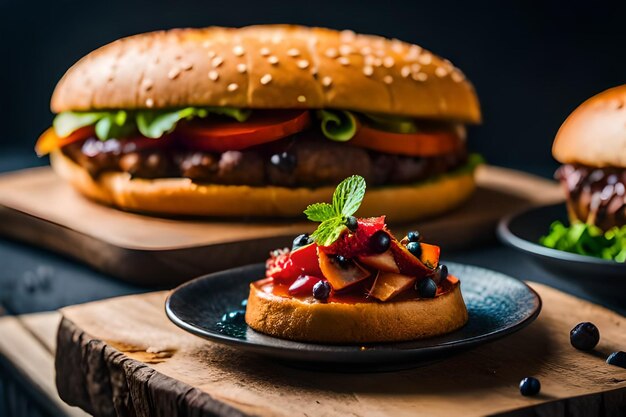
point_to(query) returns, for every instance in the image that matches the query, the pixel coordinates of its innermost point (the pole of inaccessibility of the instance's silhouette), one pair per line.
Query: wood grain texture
(37, 207)
(122, 357)
(28, 342)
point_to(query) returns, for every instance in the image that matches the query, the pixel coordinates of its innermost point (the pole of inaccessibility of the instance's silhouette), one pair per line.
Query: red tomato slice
(50, 141)
(411, 144)
(262, 127)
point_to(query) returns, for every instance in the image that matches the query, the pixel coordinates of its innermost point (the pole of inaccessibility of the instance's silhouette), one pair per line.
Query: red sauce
(357, 293)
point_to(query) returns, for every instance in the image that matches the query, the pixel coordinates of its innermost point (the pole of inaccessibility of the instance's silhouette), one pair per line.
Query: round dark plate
(498, 305)
(523, 230)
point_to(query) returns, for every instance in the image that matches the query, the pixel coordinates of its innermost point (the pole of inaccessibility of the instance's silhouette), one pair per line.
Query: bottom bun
(294, 319)
(181, 196)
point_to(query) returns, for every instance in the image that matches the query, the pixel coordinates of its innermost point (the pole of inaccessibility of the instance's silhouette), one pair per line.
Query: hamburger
(352, 281)
(261, 121)
(591, 145)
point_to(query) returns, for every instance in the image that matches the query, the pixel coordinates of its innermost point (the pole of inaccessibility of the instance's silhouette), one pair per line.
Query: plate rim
(374, 350)
(509, 238)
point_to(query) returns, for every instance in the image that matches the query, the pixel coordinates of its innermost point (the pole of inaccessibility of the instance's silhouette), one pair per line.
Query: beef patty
(300, 160)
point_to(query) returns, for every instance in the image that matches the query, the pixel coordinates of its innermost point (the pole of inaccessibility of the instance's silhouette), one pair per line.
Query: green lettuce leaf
(338, 125)
(587, 239)
(151, 123)
(66, 123)
(395, 124)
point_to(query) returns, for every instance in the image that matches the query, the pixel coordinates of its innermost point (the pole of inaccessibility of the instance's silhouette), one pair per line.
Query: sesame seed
(242, 68)
(186, 65)
(232, 87)
(405, 71)
(366, 50)
(368, 71)
(149, 102)
(380, 53)
(369, 60)
(303, 64)
(457, 76)
(238, 50)
(441, 72)
(378, 62)
(272, 59)
(379, 42)
(387, 79)
(331, 53)
(211, 54)
(425, 59)
(301, 99)
(266, 79)
(397, 46)
(419, 76)
(264, 51)
(416, 67)
(345, 49)
(276, 39)
(327, 81)
(174, 73)
(293, 52)
(217, 61)
(347, 35)
(415, 50)
(344, 61)
(388, 62)
(213, 75)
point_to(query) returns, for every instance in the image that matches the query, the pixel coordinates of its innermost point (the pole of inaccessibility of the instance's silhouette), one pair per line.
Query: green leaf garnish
(319, 212)
(347, 199)
(587, 239)
(349, 195)
(338, 125)
(150, 123)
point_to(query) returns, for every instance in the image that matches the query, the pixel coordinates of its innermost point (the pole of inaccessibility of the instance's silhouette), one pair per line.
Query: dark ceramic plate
(523, 230)
(498, 305)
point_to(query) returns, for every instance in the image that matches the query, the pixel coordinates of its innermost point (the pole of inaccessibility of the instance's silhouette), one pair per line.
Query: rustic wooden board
(39, 208)
(122, 357)
(28, 343)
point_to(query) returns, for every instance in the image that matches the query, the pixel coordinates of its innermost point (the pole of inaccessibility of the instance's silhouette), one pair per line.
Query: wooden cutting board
(122, 357)
(39, 208)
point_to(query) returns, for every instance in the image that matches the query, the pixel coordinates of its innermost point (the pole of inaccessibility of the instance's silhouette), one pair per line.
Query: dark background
(532, 62)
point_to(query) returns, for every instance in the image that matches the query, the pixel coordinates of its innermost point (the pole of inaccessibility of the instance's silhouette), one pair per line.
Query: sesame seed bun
(181, 196)
(294, 319)
(269, 67)
(595, 133)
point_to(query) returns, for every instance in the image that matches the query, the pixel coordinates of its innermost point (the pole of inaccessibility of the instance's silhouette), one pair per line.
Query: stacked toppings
(349, 258)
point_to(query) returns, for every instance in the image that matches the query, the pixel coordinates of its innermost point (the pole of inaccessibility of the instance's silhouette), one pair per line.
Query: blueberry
(617, 359)
(380, 241)
(585, 336)
(414, 236)
(301, 240)
(342, 261)
(427, 288)
(352, 223)
(529, 386)
(284, 161)
(441, 273)
(415, 248)
(321, 290)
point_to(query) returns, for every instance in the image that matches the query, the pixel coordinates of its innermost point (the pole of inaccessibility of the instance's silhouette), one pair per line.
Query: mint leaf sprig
(347, 199)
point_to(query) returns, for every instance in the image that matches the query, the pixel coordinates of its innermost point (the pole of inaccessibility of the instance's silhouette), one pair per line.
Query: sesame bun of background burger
(393, 113)
(591, 145)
